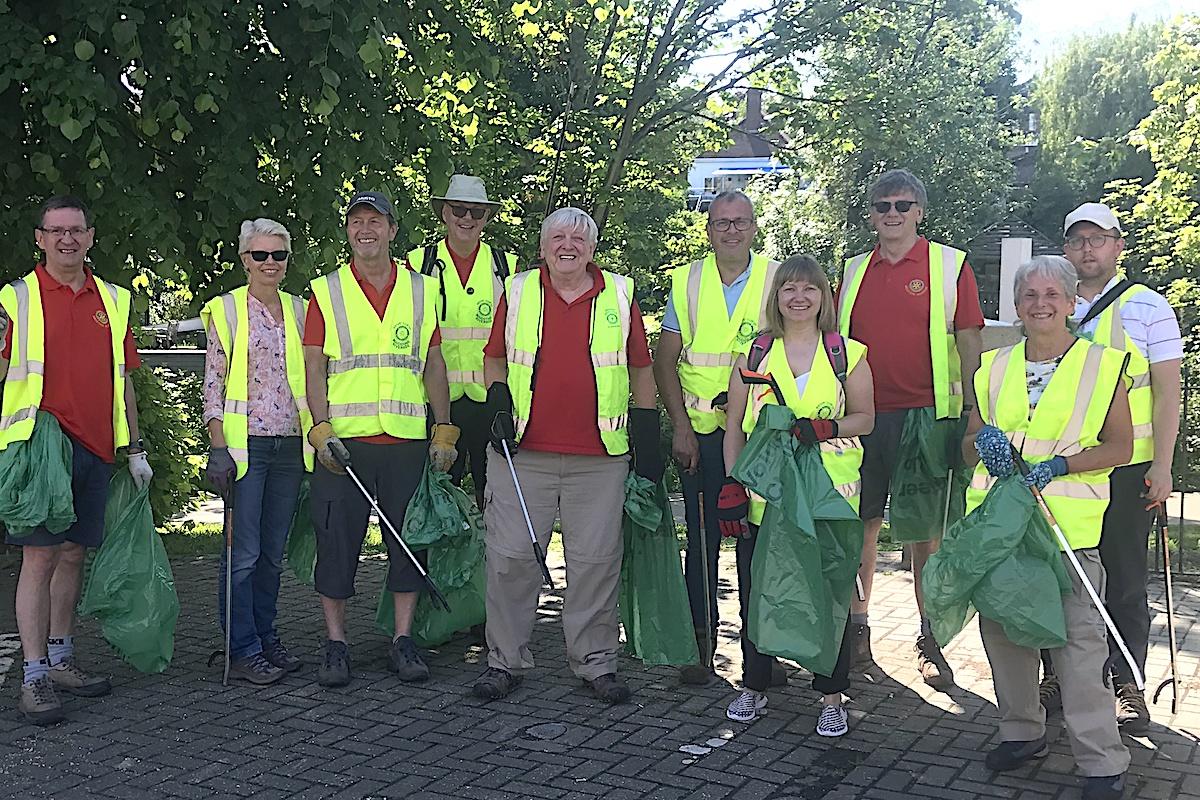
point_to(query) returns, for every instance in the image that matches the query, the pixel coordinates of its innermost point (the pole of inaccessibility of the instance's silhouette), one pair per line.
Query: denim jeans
(264, 503)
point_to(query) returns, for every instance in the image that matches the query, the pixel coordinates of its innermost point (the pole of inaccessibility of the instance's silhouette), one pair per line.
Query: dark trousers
(703, 487)
(264, 504)
(756, 667)
(1123, 551)
(89, 489)
(474, 431)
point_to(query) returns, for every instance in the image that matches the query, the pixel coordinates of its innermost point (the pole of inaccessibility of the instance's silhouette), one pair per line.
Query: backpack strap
(500, 264)
(758, 350)
(1106, 300)
(429, 260)
(835, 350)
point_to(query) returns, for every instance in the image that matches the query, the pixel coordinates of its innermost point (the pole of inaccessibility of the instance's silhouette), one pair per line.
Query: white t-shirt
(802, 382)
(1149, 321)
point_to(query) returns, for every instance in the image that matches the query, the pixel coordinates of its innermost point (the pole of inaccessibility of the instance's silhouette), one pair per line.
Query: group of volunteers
(396, 365)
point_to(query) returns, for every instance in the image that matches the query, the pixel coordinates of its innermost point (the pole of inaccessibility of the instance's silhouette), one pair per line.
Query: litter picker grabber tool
(227, 525)
(1083, 578)
(537, 548)
(436, 598)
(1160, 522)
(707, 650)
(751, 378)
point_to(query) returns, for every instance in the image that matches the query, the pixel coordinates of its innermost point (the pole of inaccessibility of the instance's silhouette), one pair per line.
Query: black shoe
(336, 669)
(495, 684)
(255, 669)
(610, 689)
(278, 655)
(932, 664)
(779, 676)
(860, 646)
(1010, 755)
(406, 661)
(1132, 714)
(1110, 788)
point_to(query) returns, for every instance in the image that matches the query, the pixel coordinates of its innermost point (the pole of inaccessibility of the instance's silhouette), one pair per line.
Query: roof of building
(748, 141)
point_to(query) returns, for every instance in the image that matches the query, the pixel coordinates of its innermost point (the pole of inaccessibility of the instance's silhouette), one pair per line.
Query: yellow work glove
(442, 453)
(332, 454)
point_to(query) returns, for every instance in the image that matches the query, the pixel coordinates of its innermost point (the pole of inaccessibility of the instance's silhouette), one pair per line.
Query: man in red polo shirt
(567, 349)
(85, 342)
(892, 299)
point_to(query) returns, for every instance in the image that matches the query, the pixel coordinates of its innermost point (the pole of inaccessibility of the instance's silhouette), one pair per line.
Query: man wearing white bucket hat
(466, 304)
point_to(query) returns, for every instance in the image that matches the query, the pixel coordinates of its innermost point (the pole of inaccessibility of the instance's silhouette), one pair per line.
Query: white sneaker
(747, 706)
(832, 721)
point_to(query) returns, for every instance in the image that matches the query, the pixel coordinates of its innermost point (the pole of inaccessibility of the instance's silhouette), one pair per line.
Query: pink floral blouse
(272, 409)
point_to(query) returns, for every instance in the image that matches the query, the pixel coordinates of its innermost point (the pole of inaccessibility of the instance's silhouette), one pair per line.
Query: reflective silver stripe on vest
(18, 416)
(465, 333)
(1076, 490)
(523, 357)
(464, 376)
(616, 359)
(996, 379)
(708, 359)
(610, 424)
(298, 310)
(418, 306)
(849, 275)
(241, 407)
(1083, 394)
(22, 289)
(340, 319)
(376, 361)
(693, 294)
(768, 281)
(1140, 381)
(231, 316)
(396, 407)
(239, 454)
(950, 291)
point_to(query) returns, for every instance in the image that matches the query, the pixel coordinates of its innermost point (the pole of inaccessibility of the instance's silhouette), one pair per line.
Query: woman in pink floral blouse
(256, 414)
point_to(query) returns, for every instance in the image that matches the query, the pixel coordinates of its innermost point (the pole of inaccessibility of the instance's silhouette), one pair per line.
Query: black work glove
(499, 409)
(645, 444)
(221, 471)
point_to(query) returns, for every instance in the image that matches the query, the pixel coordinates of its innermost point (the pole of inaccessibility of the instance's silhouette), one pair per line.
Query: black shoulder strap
(758, 350)
(429, 260)
(1106, 300)
(499, 263)
(835, 349)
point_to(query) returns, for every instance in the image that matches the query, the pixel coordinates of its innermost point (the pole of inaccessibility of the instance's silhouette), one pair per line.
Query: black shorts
(391, 473)
(89, 487)
(881, 451)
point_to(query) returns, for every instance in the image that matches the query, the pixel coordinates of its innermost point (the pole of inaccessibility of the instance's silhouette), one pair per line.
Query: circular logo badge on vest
(101, 318)
(483, 311)
(745, 331)
(612, 317)
(401, 335)
(915, 286)
(825, 411)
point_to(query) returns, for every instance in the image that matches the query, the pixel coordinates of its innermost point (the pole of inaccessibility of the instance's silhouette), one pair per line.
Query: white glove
(139, 468)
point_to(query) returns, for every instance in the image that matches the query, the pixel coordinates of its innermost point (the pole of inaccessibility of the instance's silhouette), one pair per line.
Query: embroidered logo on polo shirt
(915, 286)
(101, 318)
(483, 311)
(401, 335)
(745, 331)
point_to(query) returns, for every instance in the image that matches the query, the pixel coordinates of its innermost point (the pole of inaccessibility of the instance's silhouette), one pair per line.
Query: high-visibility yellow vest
(710, 349)
(611, 314)
(945, 264)
(824, 398)
(1110, 332)
(1067, 420)
(376, 367)
(229, 316)
(22, 301)
(466, 311)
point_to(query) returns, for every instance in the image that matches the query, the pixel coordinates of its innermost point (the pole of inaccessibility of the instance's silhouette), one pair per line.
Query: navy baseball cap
(375, 200)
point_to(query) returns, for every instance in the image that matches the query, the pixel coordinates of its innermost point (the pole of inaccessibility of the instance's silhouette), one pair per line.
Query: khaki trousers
(589, 494)
(1088, 706)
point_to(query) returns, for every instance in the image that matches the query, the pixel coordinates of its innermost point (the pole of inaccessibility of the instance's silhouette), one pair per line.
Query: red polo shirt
(463, 264)
(78, 384)
(314, 327)
(563, 416)
(891, 317)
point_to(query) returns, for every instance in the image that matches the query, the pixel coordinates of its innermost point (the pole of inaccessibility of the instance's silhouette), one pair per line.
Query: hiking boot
(747, 706)
(406, 662)
(779, 676)
(1132, 714)
(932, 664)
(255, 669)
(609, 689)
(40, 703)
(336, 669)
(1110, 788)
(278, 655)
(1050, 694)
(495, 684)
(860, 646)
(67, 675)
(832, 721)
(1010, 755)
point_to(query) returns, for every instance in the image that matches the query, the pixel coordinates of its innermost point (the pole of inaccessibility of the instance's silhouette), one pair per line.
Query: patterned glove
(1043, 472)
(814, 431)
(994, 451)
(733, 506)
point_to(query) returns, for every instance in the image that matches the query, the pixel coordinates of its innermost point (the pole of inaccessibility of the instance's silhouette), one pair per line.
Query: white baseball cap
(1096, 213)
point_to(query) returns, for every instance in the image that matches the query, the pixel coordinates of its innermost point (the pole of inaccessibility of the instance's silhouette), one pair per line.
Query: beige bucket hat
(464, 189)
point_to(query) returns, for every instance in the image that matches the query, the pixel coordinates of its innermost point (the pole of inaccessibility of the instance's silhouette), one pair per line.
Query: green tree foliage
(171, 441)
(1088, 100)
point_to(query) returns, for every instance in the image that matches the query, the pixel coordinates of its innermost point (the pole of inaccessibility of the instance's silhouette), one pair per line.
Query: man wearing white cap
(466, 306)
(1129, 316)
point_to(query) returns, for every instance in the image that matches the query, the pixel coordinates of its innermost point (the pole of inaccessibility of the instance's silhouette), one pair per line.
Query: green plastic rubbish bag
(130, 588)
(302, 538)
(808, 548)
(35, 481)
(455, 561)
(1003, 561)
(653, 597)
(929, 449)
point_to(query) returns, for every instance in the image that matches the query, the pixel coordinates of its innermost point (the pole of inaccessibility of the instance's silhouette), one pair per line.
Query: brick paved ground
(180, 734)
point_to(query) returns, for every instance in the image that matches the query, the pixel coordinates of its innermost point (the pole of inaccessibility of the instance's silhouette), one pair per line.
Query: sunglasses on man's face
(279, 256)
(884, 206)
(462, 211)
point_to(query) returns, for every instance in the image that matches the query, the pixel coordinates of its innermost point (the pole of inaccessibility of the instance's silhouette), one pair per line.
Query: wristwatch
(137, 447)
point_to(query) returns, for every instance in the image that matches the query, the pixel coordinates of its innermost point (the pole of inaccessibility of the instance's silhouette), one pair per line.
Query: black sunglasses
(884, 206)
(260, 256)
(462, 211)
